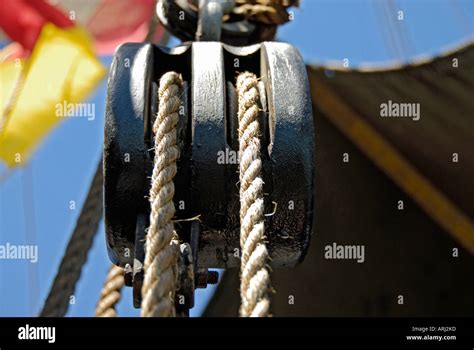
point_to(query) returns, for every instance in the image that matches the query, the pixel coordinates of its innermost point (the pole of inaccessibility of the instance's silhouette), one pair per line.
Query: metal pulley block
(206, 184)
(207, 179)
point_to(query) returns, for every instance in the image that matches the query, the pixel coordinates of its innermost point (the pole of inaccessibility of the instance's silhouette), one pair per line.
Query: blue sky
(34, 201)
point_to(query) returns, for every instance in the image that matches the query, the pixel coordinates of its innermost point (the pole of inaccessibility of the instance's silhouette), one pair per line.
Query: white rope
(162, 245)
(110, 293)
(255, 277)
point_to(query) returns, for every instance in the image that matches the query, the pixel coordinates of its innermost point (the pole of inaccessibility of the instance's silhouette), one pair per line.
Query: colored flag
(61, 71)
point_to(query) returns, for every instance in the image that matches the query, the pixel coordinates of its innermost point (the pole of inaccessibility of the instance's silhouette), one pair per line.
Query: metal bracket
(181, 18)
(184, 299)
(211, 13)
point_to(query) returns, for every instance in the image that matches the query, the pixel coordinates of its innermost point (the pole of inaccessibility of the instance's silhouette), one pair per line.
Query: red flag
(135, 16)
(22, 20)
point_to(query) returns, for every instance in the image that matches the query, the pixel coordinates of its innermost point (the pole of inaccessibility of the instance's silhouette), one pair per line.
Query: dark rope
(69, 272)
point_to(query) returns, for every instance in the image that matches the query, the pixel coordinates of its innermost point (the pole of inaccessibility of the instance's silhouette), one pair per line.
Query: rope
(110, 293)
(162, 245)
(255, 277)
(265, 11)
(11, 102)
(69, 272)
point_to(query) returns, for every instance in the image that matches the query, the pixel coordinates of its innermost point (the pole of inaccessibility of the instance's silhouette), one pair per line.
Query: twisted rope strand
(265, 11)
(255, 278)
(110, 293)
(162, 245)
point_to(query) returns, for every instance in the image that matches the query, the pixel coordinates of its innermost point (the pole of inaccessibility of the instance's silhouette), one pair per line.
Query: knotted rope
(265, 11)
(110, 293)
(162, 245)
(255, 278)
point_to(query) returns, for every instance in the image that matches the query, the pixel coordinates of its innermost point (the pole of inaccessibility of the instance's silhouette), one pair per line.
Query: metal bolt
(128, 275)
(212, 277)
(205, 277)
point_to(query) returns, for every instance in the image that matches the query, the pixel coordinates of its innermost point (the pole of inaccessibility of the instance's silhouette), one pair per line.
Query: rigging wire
(388, 42)
(401, 31)
(75, 255)
(392, 30)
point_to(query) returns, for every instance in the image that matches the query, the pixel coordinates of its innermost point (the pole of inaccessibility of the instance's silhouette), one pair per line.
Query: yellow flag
(10, 72)
(61, 71)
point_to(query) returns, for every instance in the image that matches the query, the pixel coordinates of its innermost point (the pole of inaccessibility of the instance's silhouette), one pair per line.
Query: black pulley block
(207, 179)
